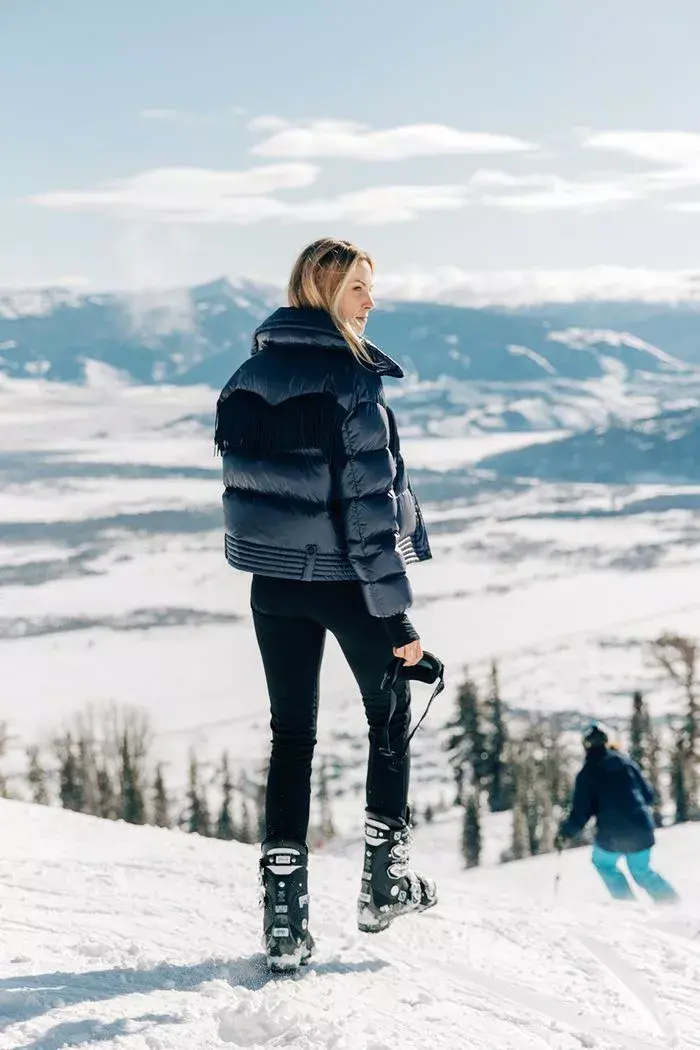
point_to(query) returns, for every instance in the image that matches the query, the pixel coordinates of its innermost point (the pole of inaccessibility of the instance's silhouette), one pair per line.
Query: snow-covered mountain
(138, 938)
(666, 446)
(198, 335)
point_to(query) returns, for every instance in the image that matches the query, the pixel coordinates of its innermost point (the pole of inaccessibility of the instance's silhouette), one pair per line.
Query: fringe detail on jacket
(248, 424)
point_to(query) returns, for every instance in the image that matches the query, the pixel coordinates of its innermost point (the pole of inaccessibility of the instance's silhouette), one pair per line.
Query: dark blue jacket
(315, 486)
(611, 788)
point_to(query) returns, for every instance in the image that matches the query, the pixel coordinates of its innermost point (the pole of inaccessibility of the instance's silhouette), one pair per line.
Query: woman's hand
(410, 654)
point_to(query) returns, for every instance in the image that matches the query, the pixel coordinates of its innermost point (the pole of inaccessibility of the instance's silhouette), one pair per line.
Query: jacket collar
(301, 326)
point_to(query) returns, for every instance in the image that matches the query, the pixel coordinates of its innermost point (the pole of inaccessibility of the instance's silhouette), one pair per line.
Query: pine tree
(107, 803)
(652, 771)
(87, 773)
(133, 803)
(645, 750)
(471, 832)
(519, 844)
(519, 838)
(679, 778)
(547, 830)
(498, 787)
(678, 658)
(466, 744)
(429, 814)
(638, 727)
(541, 786)
(531, 812)
(258, 835)
(36, 776)
(70, 787)
(198, 816)
(225, 828)
(245, 827)
(324, 798)
(555, 768)
(70, 791)
(161, 806)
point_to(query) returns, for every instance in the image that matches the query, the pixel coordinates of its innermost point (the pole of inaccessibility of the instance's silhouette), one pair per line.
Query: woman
(318, 506)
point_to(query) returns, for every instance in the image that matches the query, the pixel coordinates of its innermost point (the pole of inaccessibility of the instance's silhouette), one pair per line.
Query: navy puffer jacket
(315, 486)
(611, 788)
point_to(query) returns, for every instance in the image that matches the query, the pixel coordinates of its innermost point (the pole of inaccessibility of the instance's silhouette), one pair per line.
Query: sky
(502, 147)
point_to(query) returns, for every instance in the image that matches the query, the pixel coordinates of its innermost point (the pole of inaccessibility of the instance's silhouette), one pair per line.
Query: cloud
(382, 204)
(353, 141)
(487, 177)
(196, 195)
(662, 147)
(199, 195)
(551, 192)
(515, 288)
(267, 123)
(677, 154)
(188, 194)
(163, 304)
(158, 312)
(156, 259)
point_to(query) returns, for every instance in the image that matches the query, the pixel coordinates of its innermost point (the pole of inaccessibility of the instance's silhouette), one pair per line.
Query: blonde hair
(320, 276)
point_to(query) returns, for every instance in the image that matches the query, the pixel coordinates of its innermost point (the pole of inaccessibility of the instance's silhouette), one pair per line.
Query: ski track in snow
(141, 939)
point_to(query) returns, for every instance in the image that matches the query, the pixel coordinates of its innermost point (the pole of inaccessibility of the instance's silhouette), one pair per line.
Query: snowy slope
(142, 939)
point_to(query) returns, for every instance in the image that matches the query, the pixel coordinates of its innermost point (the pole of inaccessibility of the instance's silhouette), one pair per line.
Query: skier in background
(610, 787)
(318, 507)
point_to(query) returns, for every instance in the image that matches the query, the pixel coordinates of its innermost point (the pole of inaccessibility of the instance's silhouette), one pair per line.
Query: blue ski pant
(639, 866)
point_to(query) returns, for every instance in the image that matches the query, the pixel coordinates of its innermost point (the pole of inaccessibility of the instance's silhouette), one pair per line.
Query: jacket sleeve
(369, 510)
(582, 808)
(644, 785)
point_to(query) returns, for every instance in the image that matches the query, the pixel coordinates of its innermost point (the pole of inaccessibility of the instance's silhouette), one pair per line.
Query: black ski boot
(283, 876)
(389, 887)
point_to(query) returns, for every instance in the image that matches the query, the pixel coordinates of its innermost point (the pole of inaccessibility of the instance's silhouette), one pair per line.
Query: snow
(447, 453)
(582, 338)
(467, 408)
(113, 585)
(144, 939)
(525, 351)
(37, 302)
(141, 939)
(518, 288)
(86, 498)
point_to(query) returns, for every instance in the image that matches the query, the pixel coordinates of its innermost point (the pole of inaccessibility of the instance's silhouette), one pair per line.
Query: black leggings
(291, 618)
